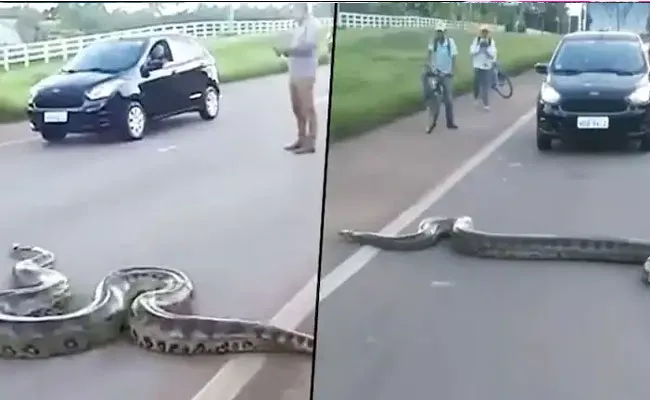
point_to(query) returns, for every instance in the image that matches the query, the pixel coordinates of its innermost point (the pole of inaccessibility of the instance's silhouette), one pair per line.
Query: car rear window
(578, 56)
(110, 56)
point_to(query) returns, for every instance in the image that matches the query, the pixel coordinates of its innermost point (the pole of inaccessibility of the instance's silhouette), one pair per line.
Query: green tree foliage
(542, 16)
(65, 19)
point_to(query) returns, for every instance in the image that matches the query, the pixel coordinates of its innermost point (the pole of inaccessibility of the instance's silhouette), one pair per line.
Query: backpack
(435, 46)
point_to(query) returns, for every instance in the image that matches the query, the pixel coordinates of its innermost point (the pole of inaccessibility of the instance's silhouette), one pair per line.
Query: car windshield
(109, 57)
(608, 56)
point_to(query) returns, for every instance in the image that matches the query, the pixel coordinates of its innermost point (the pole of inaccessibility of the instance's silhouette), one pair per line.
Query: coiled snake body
(471, 242)
(152, 304)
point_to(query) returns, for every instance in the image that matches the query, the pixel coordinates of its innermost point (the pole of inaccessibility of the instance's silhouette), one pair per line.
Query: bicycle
(501, 82)
(434, 91)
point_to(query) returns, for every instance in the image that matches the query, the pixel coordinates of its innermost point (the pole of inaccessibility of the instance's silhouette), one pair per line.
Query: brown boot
(295, 146)
(308, 146)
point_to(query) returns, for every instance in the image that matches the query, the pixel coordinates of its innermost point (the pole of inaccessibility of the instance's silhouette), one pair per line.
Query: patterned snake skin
(471, 242)
(151, 303)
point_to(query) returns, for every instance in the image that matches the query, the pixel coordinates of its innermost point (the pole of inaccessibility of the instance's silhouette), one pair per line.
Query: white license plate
(593, 122)
(55, 117)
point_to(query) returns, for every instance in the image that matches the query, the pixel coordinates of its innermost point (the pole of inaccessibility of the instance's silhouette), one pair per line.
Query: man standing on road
(484, 54)
(302, 58)
(441, 55)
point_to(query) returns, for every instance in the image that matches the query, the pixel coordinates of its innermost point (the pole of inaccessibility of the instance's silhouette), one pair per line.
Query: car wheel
(210, 107)
(644, 144)
(544, 142)
(134, 123)
(53, 135)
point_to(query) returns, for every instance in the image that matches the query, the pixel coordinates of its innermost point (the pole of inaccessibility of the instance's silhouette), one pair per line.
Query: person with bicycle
(441, 58)
(483, 51)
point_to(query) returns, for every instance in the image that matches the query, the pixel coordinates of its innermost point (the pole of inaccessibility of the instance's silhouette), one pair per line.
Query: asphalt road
(220, 200)
(437, 325)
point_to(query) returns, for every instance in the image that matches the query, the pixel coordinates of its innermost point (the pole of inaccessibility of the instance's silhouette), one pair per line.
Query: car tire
(544, 142)
(53, 135)
(210, 106)
(134, 122)
(644, 144)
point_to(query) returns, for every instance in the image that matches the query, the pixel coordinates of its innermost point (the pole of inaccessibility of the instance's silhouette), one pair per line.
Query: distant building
(8, 33)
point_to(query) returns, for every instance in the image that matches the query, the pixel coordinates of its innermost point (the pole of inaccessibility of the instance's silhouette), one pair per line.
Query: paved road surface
(361, 189)
(437, 325)
(220, 200)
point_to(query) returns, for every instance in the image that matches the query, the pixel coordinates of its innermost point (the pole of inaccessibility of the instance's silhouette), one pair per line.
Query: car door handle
(174, 72)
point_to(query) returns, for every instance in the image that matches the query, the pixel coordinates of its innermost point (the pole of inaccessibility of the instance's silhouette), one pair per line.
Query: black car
(115, 86)
(596, 86)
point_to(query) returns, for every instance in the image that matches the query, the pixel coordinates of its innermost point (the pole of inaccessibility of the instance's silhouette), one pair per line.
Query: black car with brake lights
(116, 86)
(596, 86)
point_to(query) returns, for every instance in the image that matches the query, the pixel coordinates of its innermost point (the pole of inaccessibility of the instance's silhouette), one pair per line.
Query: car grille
(61, 99)
(594, 105)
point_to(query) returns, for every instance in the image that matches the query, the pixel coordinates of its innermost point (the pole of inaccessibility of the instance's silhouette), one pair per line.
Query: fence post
(5, 58)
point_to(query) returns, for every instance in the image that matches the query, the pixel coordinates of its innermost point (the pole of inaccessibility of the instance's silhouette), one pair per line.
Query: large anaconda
(151, 303)
(471, 242)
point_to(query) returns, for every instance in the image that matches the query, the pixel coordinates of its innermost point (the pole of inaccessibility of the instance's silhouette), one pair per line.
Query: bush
(376, 76)
(239, 58)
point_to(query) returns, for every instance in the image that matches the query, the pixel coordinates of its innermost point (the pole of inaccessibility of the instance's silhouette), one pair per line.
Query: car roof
(601, 35)
(149, 38)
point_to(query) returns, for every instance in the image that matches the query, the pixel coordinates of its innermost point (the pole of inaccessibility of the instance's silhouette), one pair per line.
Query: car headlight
(548, 94)
(640, 96)
(104, 90)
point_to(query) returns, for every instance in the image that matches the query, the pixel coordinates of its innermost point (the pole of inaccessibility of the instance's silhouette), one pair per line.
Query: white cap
(441, 26)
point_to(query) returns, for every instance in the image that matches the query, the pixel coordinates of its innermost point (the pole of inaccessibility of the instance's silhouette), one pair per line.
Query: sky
(574, 8)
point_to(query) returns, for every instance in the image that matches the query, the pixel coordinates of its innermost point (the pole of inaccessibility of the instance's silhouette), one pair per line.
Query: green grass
(239, 58)
(376, 77)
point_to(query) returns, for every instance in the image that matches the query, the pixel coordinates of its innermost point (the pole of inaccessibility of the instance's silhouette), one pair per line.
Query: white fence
(355, 20)
(24, 54)
(45, 51)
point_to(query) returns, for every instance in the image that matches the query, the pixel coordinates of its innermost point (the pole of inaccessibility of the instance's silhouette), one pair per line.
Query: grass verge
(239, 58)
(376, 77)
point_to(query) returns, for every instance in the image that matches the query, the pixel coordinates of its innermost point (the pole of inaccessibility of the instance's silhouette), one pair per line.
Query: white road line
(166, 149)
(236, 373)
(436, 284)
(14, 142)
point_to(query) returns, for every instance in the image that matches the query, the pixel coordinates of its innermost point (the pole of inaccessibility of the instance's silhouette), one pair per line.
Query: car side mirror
(541, 68)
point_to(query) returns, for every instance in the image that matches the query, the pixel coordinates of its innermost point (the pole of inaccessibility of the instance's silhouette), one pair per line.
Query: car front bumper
(630, 124)
(92, 117)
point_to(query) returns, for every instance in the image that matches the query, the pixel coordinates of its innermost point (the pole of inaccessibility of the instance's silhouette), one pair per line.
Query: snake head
(18, 250)
(347, 234)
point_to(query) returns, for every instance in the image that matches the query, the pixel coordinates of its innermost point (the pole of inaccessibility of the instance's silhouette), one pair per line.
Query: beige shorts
(302, 90)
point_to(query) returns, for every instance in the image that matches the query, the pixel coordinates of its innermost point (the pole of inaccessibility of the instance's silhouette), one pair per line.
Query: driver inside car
(158, 53)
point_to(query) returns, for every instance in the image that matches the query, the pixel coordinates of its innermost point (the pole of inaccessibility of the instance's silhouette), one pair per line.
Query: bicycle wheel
(503, 86)
(433, 110)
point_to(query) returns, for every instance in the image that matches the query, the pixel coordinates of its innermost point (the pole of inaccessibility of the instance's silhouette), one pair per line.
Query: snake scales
(152, 304)
(471, 242)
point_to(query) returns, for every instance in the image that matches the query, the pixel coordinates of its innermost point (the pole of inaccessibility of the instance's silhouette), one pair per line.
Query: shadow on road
(175, 125)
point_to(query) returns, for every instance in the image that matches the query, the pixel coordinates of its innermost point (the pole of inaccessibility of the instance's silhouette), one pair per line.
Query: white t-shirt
(305, 40)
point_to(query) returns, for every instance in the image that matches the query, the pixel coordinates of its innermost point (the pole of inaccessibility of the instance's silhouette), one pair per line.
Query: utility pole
(231, 17)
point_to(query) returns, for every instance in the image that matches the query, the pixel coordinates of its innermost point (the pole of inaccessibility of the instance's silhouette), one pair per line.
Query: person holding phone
(302, 59)
(483, 51)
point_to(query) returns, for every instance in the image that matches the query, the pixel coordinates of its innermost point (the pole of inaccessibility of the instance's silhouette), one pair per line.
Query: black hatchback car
(596, 86)
(116, 86)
